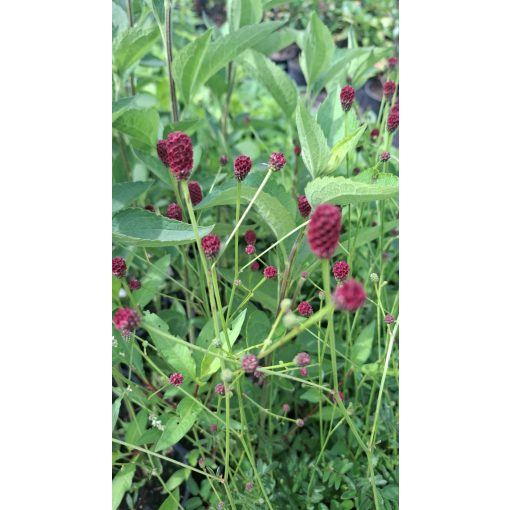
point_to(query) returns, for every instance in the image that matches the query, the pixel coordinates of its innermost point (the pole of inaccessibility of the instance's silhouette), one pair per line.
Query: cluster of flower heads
(119, 269)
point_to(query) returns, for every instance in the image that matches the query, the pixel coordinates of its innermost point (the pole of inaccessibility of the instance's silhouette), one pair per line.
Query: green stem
(326, 283)
(169, 59)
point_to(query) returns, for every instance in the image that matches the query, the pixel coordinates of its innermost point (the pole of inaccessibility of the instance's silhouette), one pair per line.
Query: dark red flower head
(126, 320)
(242, 167)
(174, 212)
(250, 237)
(250, 363)
(270, 272)
(347, 95)
(374, 133)
(276, 161)
(392, 123)
(176, 379)
(305, 309)
(392, 62)
(356, 171)
(303, 371)
(118, 267)
(304, 206)
(324, 230)
(350, 296)
(255, 266)
(384, 156)
(179, 154)
(219, 389)
(162, 152)
(341, 270)
(211, 245)
(195, 192)
(297, 150)
(389, 89)
(223, 160)
(134, 284)
(302, 359)
(250, 249)
(389, 319)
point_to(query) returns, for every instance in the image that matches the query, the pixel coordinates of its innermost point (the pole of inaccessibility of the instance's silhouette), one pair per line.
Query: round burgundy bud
(347, 95)
(389, 319)
(174, 212)
(242, 167)
(297, 150)
(389, 89)
(305, 309)
(176, 379)
(247, 119)
(270, 272)
(162, 152)
(255, 266)
(302, 359)
(300, 423)
(211, 245)
(276, 161)
(118, 267)
(250, 237)
(303, 371)
(285, 408)
(250, 249)
(248, 486)
(213, 428)
(150, 207)
(195, 192)
(384, 156)
(324, 230)
(374, 134)
(305, 274)
(250, 363)
(392, 62)
(179, 154)
(126, 320)
(350, 296)
(219, 389)
(134, 284)
(201, 462)
(341, 270)
(223, 160)
(392, 122)
(304, 206)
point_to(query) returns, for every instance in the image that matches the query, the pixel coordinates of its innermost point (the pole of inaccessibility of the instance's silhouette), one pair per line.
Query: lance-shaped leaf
(340, 150)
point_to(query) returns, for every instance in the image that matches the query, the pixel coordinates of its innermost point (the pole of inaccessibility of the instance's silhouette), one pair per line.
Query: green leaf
(177, 355)
(226, 48)
(181, 475)
(368, 234)
(137, 102)
(155, 166)
(340, 150)
(142, 125)
(245, 12)
(187, 64)
(139, 227)
(124, 193)
(211, 364)
(152, 281)
(121, 484)
(257, 327)
(276, 41)
(115, 411)
(330, 116)
(314, 148)
(363, 345)
(132, 45)
(172, 501)
(270, 205)
(177, 426)
(341, 191)
(318, 49)
(276, 81)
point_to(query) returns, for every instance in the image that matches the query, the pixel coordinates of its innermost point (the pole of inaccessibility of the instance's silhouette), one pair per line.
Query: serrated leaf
(140, 124)
(363, 345)
(121, 484)
(137, 102)
(177, 355)
(138, 227)
(318, 49)
(132, 45)
(274, 79)
(314, 148)
(341, 191)
(330, 116)
(340, 150)
(177, 426)
(187, 64)
(124, 193)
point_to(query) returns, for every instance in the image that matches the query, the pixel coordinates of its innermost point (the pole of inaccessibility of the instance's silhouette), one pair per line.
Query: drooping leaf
(314, 148)
(140, 124)
(363, 345)
(177, 355)
(276, 81)
(341, 191)
(187, 64)
(340, 150)
(125, 193)
(139, 227)
(121, 484)
(318, 49)
(177, 426)
(132, 45)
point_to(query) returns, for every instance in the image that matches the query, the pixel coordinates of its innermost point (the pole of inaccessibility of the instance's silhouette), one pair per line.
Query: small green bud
(226, 375)
(216, 343)
(290, 320)
(374, 277)
(285, 305)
